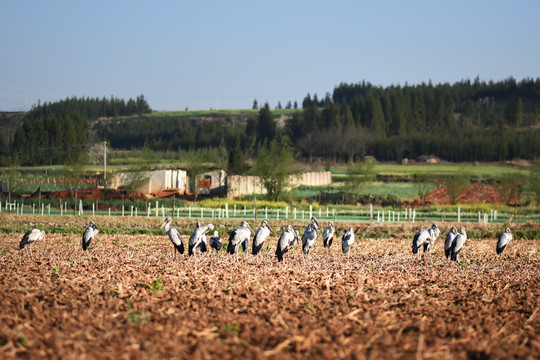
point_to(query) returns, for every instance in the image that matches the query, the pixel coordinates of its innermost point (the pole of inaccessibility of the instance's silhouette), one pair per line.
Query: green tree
(422, 186)
(358, 176)
(266, 128)
(274, 166)
(376, 115)
(457, 183)
(235, 164)
(534, 182)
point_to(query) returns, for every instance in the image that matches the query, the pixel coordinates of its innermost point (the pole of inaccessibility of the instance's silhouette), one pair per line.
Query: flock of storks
(240, 237)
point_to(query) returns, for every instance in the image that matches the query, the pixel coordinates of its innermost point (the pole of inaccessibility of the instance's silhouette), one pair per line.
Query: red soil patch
(476, 193)
(94, 193)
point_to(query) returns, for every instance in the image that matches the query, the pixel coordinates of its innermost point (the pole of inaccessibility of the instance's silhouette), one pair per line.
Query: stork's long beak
(163, 223)
(251, 230)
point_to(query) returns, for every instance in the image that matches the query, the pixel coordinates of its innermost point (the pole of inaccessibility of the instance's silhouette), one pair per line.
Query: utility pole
(104, 162)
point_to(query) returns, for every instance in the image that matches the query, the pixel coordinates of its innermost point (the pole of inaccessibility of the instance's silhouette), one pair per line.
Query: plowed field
(127, 298)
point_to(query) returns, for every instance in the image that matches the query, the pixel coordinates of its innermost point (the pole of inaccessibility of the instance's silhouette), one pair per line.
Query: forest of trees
(465, 121)
(57, 133)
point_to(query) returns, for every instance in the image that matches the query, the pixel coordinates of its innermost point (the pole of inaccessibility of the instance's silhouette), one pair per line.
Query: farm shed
(148, 182)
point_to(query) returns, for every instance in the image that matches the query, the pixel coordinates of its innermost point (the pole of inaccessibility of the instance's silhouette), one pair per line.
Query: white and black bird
(309, 237)
(457, 244)
(425, 238)
(328, 235)
(174, 235)
(346, 242)
(239, 236)
(215, 242)
(197, 240)
(89, 233)
(448, 242)
(30, 238)
(504, 239)
(260, 236)
(288, 238)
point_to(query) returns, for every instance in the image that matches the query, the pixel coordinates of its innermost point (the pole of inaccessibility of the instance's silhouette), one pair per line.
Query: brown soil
(384, 304)
(476, 193)
(94, 193)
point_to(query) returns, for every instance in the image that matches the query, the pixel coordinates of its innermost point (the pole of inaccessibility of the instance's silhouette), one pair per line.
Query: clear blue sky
(203, 54)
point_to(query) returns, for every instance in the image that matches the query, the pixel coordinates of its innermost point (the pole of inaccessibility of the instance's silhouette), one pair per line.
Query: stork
(457, 244)
(198, 238)
(30, 238)
(89, 233)
(240, 236)
(215, 242)
(425, 238)
(346, 242)
(448, 242)
(309, 237)
(504, 239)
(174, 235)
(260, 236)
(328, 235)
(288, 238)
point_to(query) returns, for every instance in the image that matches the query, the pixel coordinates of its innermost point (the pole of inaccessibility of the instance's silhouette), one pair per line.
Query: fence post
(277, 216)
(310, 211)
(459, 214)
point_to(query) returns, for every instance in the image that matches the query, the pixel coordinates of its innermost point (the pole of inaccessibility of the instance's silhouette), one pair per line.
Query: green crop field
(480, 171)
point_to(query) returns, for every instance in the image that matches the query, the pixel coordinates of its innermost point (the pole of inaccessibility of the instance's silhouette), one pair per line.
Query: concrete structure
(152, 182)
(247, 185)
